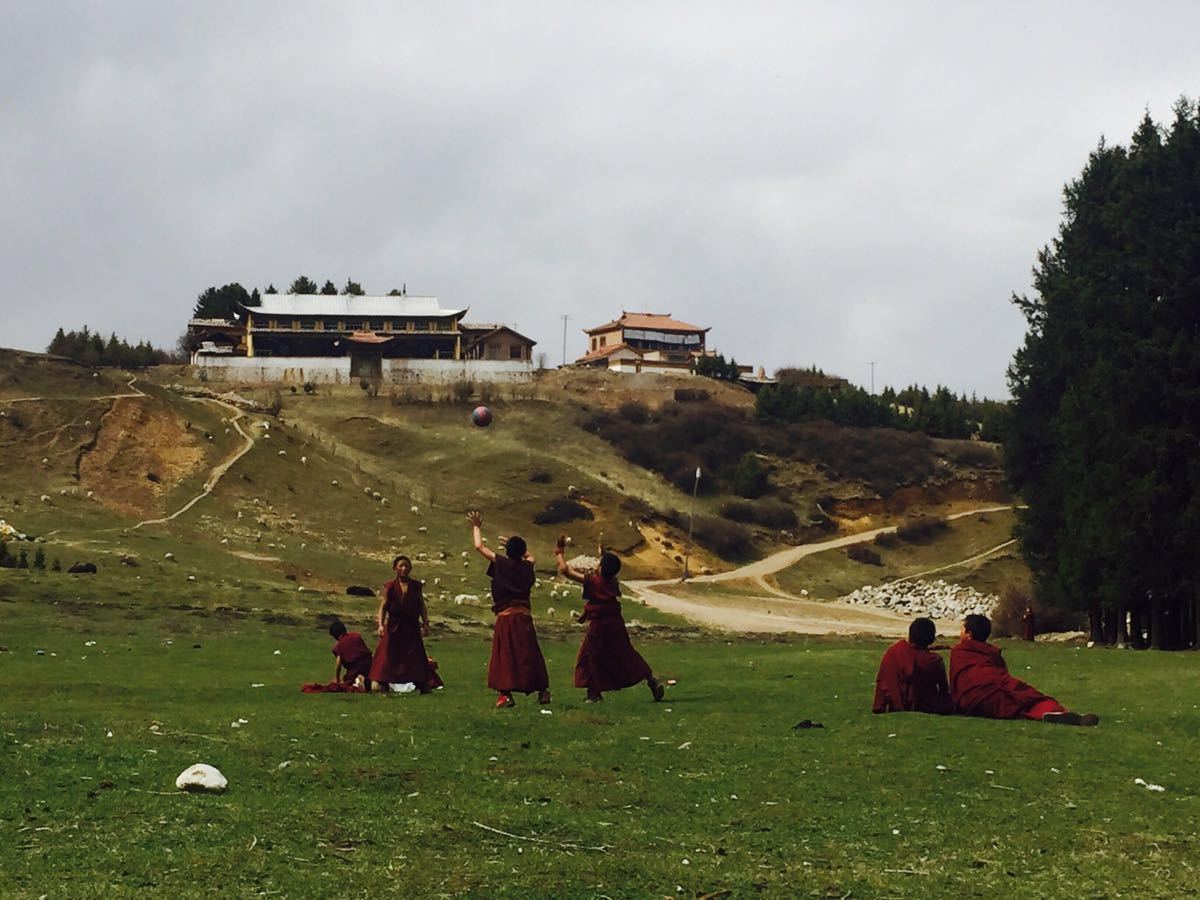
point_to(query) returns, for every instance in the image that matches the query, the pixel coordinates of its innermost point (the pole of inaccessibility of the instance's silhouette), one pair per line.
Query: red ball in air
(481, 416)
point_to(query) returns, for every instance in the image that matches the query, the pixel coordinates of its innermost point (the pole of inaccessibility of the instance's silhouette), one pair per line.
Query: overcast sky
(828, 184)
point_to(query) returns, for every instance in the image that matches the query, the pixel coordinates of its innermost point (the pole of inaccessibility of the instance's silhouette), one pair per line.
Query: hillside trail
(779, 611)
(219, 470)
(136, 393)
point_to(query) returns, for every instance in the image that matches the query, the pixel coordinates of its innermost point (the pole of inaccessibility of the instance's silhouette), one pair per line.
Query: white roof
(349, 306)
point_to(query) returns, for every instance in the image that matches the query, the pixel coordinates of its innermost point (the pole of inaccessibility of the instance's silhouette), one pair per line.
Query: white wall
(336, 370)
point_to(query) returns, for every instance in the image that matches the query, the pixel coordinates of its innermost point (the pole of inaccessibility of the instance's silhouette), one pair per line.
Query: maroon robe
(911, 679)
(401, 656)
(1029, 625)
(516, 664)
(606, 660)
(981, 686)
(354, 654)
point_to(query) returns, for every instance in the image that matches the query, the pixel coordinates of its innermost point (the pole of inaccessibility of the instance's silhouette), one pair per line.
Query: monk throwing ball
(606, 660)
(516, 665)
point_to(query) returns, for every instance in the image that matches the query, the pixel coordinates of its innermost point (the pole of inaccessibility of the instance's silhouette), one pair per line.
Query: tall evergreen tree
(329, 288)
(302, 285)
(353, 288)
(1102, 435)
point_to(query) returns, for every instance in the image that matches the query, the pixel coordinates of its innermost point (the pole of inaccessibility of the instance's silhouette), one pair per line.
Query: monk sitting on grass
(981, 686)
(912, 678)
(516, 665)
(352, 654)
(607, 660)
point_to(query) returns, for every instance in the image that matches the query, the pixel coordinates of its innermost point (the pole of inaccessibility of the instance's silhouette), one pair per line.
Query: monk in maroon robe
(912, 678)
(981, 686)
(1029, 624)
(351, 652)
(516, 665)
(606, 660)
(403, 623)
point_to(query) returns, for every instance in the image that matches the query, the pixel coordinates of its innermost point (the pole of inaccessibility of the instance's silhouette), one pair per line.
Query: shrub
(690, 395)
(922, 529)
(23, 560)
(861, 553)
(727, 539)
(768, 513)
(273, 408)
(39, 559)
(975, 455)
(56, 566)
(461, 390)
(750, 477)
(562, 510)
(1006, 616)
(540, 477)
(310, 387)
(887, 540)
(634, 411)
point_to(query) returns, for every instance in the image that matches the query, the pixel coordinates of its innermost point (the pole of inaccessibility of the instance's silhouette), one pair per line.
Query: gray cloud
(819, 185)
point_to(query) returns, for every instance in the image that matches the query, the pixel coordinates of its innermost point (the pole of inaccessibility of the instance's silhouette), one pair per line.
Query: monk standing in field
(517, 665)
(607, 660)
(981, 686)
(403, 623)
(912, 678)
(1029, 624)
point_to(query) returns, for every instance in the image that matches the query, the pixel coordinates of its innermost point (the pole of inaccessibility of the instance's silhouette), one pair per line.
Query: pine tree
(1102, 435)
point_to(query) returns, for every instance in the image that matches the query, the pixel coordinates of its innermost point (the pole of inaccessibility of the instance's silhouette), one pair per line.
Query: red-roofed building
(644, 342)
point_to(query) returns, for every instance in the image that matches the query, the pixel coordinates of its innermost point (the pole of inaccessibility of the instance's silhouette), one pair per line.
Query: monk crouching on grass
(403, 623)
(912, 678)
(352, 654)
(516, 665)
(607, 660)
(981, 686)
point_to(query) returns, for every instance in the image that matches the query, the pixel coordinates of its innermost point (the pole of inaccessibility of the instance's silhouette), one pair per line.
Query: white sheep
(45, 498)
(375, 495)
(45, 460)
(465, 554)
(422, 530)
(283, 453)
(334, 483)
(416, 510)
(304, 460)
(367, 491)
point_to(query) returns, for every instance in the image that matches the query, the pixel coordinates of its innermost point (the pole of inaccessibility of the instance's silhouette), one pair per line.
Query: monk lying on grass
(981, 686)
(912, 678)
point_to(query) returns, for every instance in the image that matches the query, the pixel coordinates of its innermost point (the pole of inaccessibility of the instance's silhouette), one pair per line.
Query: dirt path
(218, 471)
(779, 611)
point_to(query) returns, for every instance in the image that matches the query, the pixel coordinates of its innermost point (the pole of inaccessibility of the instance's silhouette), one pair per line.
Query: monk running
(517, 664)
(912, 678)
(981, 686)
(607, 660)
(403, 623)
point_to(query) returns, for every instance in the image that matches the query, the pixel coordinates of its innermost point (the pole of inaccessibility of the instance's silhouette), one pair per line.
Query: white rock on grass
(202, 778)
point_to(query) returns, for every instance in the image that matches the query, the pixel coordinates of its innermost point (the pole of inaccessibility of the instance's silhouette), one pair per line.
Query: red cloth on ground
(355, 655)
(981, 686)
(512, 580)
(606, 660)
(333, 687)
(401, 655)
(911, 680)
(516, 664)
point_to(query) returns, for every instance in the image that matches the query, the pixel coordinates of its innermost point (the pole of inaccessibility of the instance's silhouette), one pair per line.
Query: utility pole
(872, 365)
(564, 349)
(687, 554)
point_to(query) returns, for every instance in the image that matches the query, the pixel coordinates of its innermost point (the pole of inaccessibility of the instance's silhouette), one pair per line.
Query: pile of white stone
(935, 599)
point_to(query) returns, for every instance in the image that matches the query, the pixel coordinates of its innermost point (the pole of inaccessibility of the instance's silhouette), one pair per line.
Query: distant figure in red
(517, 664)
(403, 622)
(352, 655)
(912, 678)
(981, 686)
(1029, 624)
(607, 660)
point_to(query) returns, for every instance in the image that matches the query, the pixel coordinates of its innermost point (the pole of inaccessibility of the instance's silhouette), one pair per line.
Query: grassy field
(710, 791)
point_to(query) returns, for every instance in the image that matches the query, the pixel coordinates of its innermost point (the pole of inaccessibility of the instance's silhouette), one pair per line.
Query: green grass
(370, 795)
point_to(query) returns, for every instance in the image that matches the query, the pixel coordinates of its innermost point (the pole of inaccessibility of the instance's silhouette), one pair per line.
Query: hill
(322, 488)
